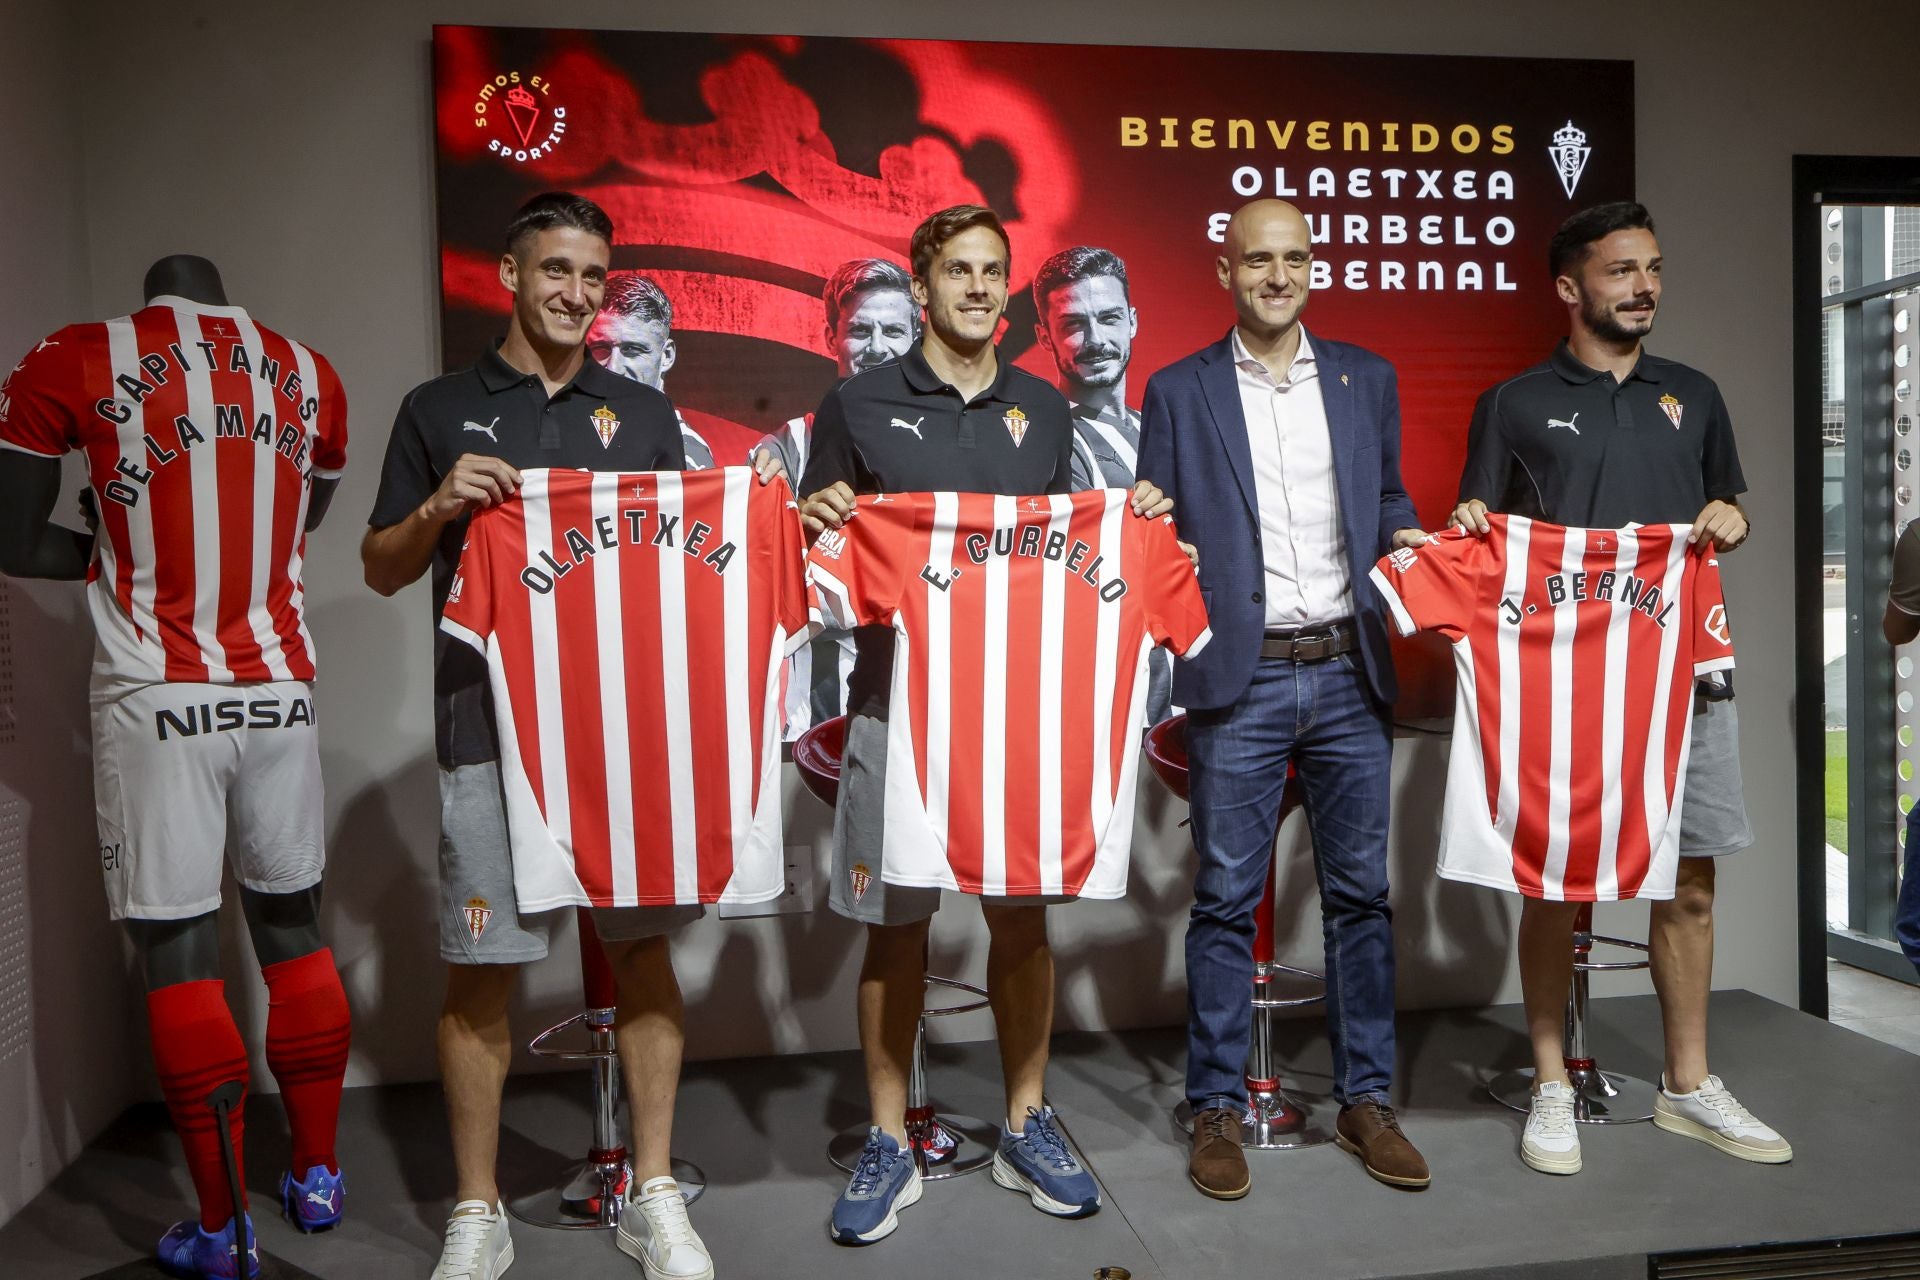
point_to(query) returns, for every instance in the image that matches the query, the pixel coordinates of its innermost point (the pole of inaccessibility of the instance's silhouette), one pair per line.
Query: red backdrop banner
(741, 171)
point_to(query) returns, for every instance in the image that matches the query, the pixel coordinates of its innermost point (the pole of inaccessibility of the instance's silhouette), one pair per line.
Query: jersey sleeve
(407, 477)
(468, 615)
(857, 570)
(1435, 586)
(1903, 593)
(1485, 473)
(330, 443)
(1713, 639)
(795, 603)
(37, 400)
(1720, 472)
(831, 456)
(1176, 613)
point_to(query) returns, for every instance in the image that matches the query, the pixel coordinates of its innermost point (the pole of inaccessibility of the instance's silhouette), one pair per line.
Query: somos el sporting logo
(520, 112)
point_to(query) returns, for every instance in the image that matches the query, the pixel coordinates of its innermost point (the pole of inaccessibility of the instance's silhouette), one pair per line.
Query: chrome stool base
(1599, 1097)
(589, 1197)
(1273, 1122)
(945, 1147)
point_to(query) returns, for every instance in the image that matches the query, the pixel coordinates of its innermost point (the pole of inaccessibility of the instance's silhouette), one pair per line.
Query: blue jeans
(1320, 716)
(1906, 914)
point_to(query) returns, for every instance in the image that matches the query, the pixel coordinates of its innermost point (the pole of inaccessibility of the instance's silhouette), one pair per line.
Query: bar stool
(944, 1144)
(1273, 1121)
(592, 1192)
(1599, 1097)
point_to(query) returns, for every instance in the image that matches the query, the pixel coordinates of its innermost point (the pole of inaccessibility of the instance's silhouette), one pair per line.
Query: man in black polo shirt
(934, 420)
(457, 447)
(1602, 435)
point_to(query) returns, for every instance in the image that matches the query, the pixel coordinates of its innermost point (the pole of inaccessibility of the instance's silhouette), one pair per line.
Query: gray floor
(759, 1127)
(1874, 1006)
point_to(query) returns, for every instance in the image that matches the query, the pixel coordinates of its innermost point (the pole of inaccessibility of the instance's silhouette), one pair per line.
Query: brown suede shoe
(1371, 1131)
(1218, 1166)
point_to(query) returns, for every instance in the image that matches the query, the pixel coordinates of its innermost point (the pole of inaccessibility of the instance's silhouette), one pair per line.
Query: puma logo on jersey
(1568, 424)
(487, 430)
(913, 426)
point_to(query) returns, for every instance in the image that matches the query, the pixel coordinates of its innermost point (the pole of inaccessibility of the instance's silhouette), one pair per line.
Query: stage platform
(1850, 1105)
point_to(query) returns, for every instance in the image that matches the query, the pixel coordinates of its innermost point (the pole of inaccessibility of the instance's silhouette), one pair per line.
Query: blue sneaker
(1038, 1163)
(315, 1202)
(884, 1182)
(190, 1252)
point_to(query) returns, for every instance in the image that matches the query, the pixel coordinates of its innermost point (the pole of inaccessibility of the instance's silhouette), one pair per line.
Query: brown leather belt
(1315, 643)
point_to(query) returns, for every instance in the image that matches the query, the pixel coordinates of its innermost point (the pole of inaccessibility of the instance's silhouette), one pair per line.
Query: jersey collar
(593, 378)
(1570, 367)
(179, 303)
(921, 377)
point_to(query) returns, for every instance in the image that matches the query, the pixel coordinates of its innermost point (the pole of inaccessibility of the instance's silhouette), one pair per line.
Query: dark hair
(931, 235)
(631, 294)
(1589, 226)
(552, 209)
(1081, 262)
(863, 276)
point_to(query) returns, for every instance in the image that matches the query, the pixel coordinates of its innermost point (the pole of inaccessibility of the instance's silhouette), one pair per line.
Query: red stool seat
(817, 754)
(1166, 748)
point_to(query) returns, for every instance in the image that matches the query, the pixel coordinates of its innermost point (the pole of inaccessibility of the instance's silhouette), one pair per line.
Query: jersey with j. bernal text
(633, 625)
(1576, 652)
(203, 431)
(1022, 628)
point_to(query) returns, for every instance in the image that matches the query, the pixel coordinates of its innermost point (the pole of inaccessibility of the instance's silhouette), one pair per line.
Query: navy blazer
(1193, 444)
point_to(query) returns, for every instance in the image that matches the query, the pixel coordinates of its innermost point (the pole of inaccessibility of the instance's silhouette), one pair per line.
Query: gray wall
(64, 1001)
(292, 143)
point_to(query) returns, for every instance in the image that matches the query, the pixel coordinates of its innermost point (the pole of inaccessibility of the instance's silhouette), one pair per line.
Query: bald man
(1282, 454)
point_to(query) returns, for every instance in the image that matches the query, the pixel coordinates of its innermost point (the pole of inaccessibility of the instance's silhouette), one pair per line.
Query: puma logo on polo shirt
(913, 426)
(471, 425)
(1567, 423)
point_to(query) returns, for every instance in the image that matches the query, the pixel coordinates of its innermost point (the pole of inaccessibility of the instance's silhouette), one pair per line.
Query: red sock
(196, 1049)
(307, 1036)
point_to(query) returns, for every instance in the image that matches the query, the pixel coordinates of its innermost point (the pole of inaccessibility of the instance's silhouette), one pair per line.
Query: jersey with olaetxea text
(203, 431)
(1022, 629)
(633, 626)
(1576, 652)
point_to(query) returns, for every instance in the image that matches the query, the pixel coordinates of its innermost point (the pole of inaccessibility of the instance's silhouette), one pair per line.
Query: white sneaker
(654, 1228)
(1716, 1118)
(1552, 1141)
(477, 1246)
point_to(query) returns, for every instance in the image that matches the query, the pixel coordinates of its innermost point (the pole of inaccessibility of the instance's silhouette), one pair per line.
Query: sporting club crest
(478, 913)
(1570, 152)
(1672, 408)
(861, 878)
(1016, 424)
(605, 424)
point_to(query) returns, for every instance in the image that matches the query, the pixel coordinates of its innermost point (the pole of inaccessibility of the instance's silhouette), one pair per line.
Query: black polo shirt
(1567, 444)
(900, 428)
(494, 409)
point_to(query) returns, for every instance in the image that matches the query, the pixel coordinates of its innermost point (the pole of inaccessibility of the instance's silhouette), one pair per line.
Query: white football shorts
(179, 767)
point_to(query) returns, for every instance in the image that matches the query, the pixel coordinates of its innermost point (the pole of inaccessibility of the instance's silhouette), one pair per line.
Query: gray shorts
(1713, 816)
(479, 922)
(856, 887)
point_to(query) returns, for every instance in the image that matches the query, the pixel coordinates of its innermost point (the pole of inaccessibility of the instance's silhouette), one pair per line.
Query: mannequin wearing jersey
(196, 1044)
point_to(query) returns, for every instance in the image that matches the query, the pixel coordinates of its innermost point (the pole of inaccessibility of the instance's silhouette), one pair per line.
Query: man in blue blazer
(1282, 454)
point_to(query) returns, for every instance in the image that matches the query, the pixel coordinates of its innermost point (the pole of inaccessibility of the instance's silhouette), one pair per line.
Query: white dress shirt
(1301, 540)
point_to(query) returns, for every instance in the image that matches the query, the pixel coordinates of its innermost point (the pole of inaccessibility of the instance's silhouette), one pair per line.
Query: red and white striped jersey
(1022, 628)
(1576, 651)
(202, 430)
(633, 626)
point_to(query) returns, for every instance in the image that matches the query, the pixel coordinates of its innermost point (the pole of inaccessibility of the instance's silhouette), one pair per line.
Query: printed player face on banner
(873, 328)
(557, 284)
(966, 289)
(1088, 328)
(1616, 286)
(632, 347)
(1267, 266)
